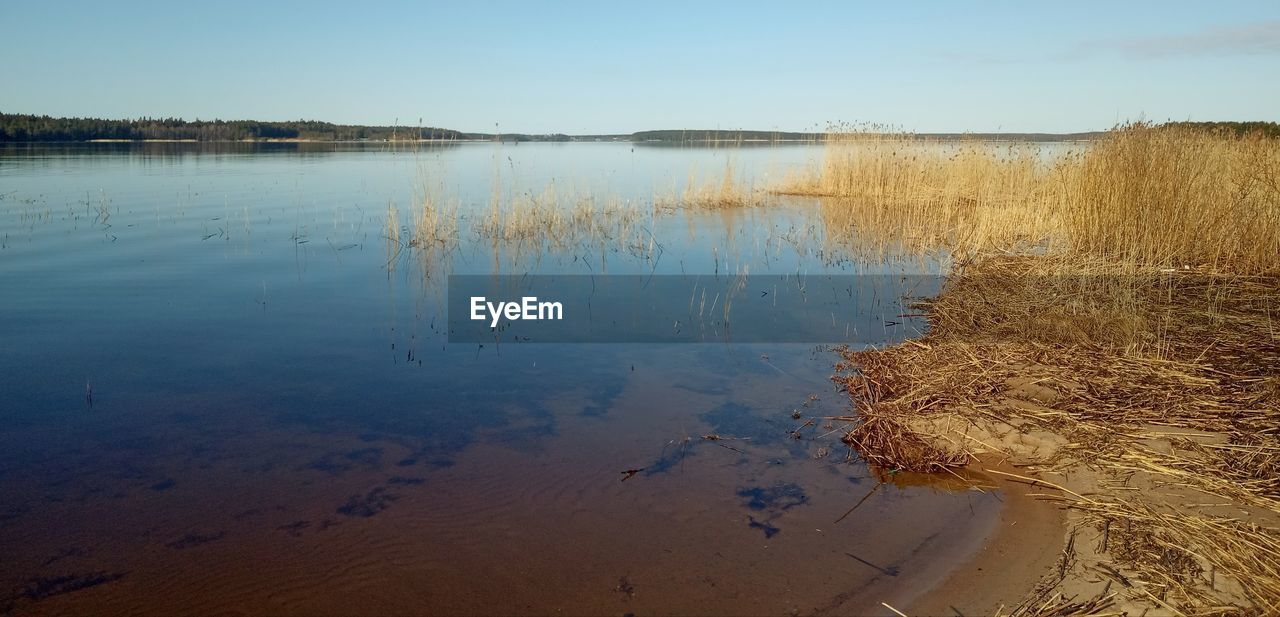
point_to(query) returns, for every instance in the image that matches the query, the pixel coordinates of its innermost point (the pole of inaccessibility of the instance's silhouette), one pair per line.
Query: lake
(229, 388)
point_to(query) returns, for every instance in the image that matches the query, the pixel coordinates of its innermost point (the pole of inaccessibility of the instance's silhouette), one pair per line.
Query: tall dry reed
(711, 192)
(1176, 197)
(1145, 196)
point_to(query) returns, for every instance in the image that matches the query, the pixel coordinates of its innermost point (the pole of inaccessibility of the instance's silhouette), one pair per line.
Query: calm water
(225, 388)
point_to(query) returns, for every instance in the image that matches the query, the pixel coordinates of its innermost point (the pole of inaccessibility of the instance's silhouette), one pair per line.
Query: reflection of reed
(391, 234)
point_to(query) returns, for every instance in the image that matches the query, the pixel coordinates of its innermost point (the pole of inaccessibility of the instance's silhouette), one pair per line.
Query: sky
(619, 67)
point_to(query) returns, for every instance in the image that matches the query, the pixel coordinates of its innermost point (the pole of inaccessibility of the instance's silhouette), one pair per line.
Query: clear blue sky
(625, 66)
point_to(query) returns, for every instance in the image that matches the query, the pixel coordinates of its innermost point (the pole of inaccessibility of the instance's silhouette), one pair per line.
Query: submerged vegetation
(1110, 318)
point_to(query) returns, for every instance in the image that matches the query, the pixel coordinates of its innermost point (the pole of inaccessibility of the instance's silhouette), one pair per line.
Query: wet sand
(1024, 547)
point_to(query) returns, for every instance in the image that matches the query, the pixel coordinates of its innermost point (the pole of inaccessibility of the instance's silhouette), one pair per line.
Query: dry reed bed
(522, 226)
(1122, 299)
(713, 193)
(1142, 196)
(1184, 350)
(557, 219)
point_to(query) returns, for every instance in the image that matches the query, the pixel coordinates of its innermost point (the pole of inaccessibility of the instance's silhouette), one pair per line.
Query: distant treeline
(1269, 129)
(24, 127)
(28, 127)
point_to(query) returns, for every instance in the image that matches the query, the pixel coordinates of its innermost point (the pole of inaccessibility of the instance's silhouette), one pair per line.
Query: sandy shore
(1025, 548)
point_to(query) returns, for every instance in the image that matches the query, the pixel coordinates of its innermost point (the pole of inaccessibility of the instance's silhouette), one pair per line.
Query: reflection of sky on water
(208, 343)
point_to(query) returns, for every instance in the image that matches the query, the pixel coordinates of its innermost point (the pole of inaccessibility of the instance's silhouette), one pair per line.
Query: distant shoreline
(1001, 137)
(29, 128)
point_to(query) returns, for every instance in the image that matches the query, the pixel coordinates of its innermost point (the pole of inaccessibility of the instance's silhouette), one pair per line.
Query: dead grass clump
(557, 219)
(434, 226)
(1184, 349)
(1057, 605)
(1163, 376)
(1186, 560)
(891, 445)
(434, 234)
(722, 193)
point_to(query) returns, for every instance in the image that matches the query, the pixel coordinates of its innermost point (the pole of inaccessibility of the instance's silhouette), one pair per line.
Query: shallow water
(227, 388)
